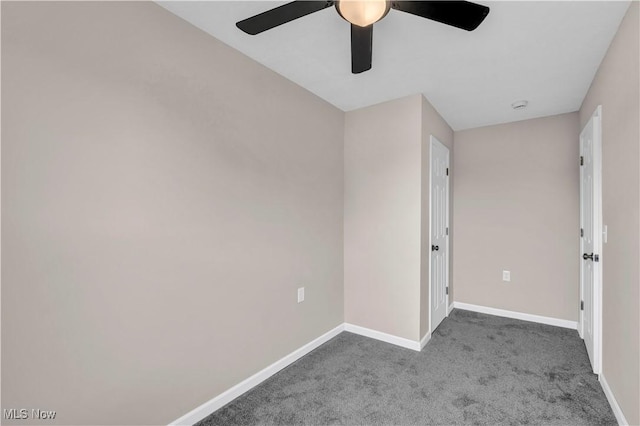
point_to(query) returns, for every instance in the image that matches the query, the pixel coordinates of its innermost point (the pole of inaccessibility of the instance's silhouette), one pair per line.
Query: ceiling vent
(519, 104)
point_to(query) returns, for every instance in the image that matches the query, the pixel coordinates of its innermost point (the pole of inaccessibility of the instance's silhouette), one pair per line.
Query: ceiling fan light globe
(363, 12)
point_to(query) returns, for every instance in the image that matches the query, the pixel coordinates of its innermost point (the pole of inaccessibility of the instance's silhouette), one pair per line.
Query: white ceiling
(546, 52)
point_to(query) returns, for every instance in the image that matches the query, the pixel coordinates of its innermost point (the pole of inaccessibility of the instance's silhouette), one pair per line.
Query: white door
(439, 231)
(590, 224)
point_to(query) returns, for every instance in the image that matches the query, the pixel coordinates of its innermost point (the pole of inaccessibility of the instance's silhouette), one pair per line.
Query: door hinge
(581, 232)
(447, 290)
(447, 231)
(447, 171)
(582, 305)
(581, 160)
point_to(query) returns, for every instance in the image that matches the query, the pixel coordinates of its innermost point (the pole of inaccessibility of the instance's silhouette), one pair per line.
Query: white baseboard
(378, 335)
(425, 340)
(617, 411)
(517, 315)
(232, 393)
(450, 308)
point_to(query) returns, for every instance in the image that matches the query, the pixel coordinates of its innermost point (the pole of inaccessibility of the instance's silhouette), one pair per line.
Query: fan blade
(361, 48)
(459, 14)
(281, 15)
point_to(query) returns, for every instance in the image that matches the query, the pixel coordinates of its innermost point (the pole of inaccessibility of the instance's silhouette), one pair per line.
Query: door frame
(597, 239)
(433, 139)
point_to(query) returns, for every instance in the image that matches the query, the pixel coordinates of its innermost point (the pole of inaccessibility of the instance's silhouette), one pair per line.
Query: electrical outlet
(301, 294)
(506, 275)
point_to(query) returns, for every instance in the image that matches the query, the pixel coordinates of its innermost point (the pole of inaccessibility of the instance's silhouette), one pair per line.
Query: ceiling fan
(362, 14)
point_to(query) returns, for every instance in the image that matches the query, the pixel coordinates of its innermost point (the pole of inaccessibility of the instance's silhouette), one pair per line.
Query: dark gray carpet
(477, 369)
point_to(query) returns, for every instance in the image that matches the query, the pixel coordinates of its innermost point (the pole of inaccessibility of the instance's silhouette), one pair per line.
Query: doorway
(439, 232)
(591, 238)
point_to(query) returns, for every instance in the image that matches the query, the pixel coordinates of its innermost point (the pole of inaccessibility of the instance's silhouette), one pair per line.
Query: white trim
(232, 393)
(598, 223)
(378, 335)
(581, 243)
(622, 421)
(450, 308)
(425, 340)
(517, 315)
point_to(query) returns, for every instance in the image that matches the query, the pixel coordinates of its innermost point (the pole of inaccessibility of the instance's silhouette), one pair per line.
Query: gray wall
(516, 207)
(616, 87)
(382, 217)
(163, 197)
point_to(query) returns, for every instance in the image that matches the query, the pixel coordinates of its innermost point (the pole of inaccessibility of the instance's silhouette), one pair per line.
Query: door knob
(434, 248)
(587, 256)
